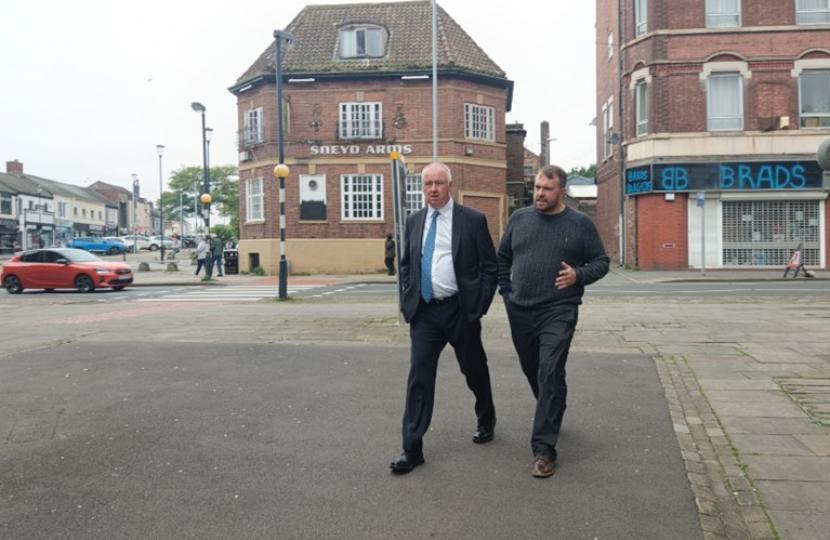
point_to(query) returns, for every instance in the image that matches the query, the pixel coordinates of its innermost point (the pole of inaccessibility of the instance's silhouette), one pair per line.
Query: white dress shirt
(443, 271)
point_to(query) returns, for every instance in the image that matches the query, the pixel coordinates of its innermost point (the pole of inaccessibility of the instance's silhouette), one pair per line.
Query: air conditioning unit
(244, 156)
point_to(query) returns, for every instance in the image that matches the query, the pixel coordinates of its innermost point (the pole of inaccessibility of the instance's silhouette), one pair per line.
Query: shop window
(361, 121)
(814, 94)
(725, 103)
(812, 11)
(640, 17)
(361, 197)
(362, 42)
(254, 200)
(765, 233)
(723, 13)
(414, 193)
(641, 106)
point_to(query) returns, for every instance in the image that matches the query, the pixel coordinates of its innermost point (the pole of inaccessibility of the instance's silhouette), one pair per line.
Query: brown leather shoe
(543, 467)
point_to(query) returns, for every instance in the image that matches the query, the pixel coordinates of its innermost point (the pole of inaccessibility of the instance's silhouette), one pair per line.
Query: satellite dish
(823, 155)
(614, 138)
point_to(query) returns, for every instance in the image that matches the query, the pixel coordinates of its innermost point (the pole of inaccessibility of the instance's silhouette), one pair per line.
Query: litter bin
(231, 261)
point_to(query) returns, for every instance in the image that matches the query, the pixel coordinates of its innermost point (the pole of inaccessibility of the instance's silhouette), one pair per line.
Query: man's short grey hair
(552, 171)
(439, 165)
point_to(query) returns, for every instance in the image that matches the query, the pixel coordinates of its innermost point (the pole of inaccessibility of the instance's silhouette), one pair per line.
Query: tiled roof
(315, 31)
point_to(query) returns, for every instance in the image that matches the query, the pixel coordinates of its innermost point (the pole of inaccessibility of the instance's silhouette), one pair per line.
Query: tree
(589, 172)
(187, 183)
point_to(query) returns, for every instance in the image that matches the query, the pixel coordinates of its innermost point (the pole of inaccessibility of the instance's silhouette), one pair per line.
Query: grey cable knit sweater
(533, 248)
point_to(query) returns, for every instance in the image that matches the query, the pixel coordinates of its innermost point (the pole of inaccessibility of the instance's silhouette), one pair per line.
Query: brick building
(715, 102)
(357, 84)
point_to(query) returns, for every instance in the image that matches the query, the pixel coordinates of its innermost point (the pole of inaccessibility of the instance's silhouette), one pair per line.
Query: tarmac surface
(688, 418)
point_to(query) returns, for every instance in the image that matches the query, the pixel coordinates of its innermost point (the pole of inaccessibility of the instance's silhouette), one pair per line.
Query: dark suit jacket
(473, 257)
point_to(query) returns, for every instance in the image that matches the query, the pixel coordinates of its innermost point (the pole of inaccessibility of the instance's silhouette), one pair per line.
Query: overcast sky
(88, 88)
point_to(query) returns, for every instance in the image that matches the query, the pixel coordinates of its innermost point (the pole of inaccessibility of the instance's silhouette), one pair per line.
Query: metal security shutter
(765, 233)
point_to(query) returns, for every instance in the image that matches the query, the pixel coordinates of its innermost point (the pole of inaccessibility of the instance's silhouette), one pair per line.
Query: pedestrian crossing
(239, 293)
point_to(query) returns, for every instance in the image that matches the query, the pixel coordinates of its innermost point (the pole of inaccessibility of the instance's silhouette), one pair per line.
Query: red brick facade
(313, 144)
(674, 60)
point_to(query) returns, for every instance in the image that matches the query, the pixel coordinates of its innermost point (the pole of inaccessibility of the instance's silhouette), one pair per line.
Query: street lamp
(135, 213)
(198, 107)
(547, 148)
(281, 170)
(160, 150)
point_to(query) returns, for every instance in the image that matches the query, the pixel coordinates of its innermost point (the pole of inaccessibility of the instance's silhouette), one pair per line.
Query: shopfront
(8, 235)
(736, 214)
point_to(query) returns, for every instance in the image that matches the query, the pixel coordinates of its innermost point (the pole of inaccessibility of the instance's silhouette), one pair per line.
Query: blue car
(97, 244)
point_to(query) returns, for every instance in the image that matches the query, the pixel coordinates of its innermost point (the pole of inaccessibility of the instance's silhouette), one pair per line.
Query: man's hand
(566, 278)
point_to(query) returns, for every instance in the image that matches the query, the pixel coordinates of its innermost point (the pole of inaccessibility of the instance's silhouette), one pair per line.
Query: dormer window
(364, 41)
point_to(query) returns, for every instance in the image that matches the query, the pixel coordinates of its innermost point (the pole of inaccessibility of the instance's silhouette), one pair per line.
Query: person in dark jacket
(389, 259)
(217, 251)
(547, 255)
(448, 272)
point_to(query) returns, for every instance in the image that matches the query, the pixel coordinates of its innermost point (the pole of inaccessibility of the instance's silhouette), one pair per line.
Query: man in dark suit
(449, 274)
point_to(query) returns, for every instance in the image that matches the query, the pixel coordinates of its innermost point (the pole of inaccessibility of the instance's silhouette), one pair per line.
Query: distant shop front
(727, 214)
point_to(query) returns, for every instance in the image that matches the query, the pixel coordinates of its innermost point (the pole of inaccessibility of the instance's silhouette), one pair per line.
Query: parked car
(65, 268)
(156, 242)
(142, 241)
(98, 244)
(190, 241)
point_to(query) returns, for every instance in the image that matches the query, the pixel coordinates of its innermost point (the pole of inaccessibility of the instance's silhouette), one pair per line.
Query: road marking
(226, 294)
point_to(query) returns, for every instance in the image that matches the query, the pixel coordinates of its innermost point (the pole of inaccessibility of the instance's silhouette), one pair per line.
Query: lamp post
(39, 216)
(198, 107)
(281, 170)
(135, 213)
(160, 151)
(547, 148)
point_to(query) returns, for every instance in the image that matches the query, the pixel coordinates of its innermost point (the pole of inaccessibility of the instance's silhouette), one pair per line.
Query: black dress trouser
(432, 327)
(542, 338)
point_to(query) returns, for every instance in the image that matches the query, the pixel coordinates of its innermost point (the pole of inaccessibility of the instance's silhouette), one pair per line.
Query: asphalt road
(180, 439)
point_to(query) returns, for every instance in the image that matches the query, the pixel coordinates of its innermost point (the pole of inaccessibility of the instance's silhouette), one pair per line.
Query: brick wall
(662, 232)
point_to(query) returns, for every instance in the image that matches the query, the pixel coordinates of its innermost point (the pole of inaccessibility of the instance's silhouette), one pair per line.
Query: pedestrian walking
(202, 254)
(217, 249)
(389, 258)
(448, 273)
(548, 254)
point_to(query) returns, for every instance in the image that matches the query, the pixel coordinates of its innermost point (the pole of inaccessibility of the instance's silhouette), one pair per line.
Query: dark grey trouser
(542, 338)
(430, 330)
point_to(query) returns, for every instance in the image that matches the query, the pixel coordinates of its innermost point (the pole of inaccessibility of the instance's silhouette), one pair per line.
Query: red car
(63, 269)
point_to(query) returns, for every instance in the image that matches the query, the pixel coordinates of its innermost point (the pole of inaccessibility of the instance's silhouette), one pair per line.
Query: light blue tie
(426, 260)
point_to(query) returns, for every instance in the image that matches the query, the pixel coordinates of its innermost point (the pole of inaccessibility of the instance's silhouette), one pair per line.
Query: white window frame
(809, 14)
(610, 45)
(604, 131)
(254, 200)
(361, 197)
(641, 107)
(253, 132)
(822, 116)
(414, 197)
(640, 17)
(721, 15)
(62, 206)
(479, 122)
(361, 42)
(720, 122)
(361, 120)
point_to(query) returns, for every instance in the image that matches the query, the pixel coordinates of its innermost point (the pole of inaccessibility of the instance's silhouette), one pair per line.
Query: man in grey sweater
(548, 254)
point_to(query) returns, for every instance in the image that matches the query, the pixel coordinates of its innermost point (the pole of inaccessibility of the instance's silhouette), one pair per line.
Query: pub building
(356, 88)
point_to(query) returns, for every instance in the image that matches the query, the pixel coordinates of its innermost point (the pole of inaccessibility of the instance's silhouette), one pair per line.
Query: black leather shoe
(484, 434)
(406, 462)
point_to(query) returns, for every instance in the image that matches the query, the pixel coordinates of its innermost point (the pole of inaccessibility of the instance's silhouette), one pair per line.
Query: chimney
(14, 167)
(544, 158)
